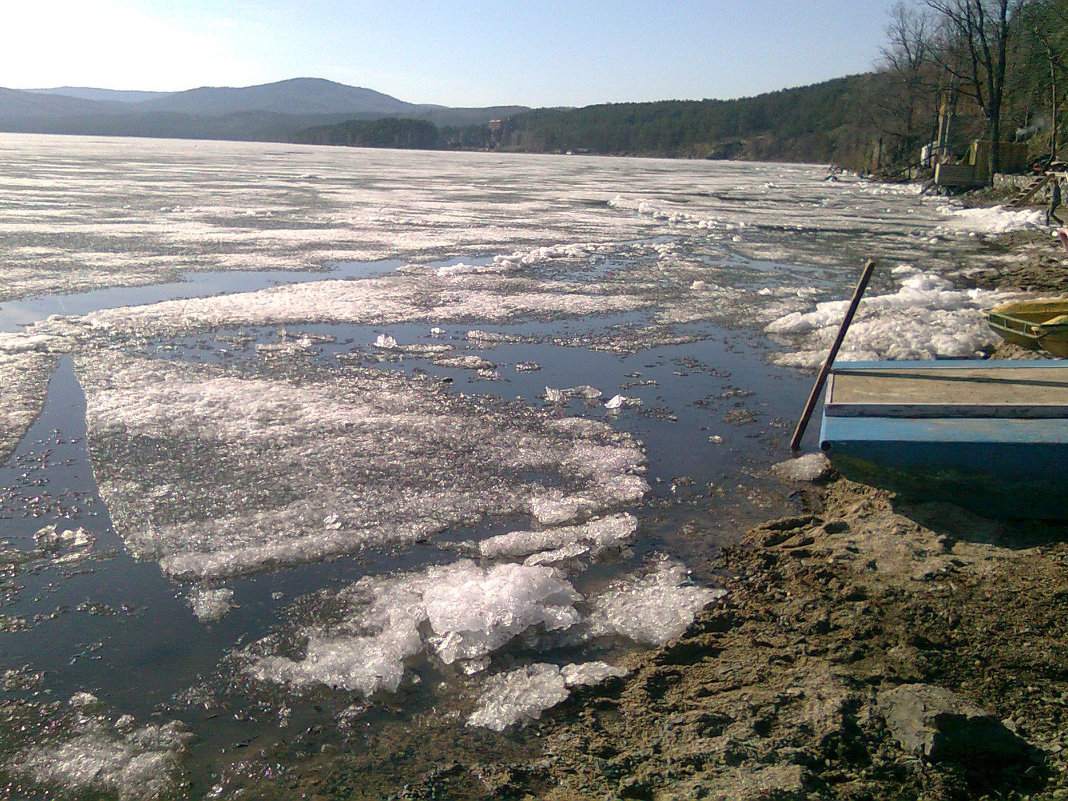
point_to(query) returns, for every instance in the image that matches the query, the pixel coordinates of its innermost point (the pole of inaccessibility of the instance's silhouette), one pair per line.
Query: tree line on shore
(997, 65)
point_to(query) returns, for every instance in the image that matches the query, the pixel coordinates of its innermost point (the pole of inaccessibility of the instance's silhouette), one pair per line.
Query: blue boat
(989, 436)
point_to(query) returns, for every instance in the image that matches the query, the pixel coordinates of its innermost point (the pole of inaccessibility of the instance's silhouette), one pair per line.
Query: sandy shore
(867, 648)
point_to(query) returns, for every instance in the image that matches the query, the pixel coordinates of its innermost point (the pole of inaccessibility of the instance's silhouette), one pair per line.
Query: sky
(450, 52)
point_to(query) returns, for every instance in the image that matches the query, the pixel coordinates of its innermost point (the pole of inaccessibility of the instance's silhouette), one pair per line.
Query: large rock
(941, 725)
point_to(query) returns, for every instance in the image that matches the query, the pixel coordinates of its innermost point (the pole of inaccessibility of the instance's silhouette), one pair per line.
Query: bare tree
(977, 38)
(907, 60)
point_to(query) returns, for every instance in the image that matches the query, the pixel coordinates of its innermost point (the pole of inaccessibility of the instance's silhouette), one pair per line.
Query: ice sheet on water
(379, 301)
(92, 754)
(926, 318)
(215, 474)
(651, 609)
(596, 536)
(521, 695)
(24, 377)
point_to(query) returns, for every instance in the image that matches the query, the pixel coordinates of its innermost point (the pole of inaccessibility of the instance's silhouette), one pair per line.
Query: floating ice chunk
(138, 764)
(461, 269)
(588, 674)
(527, 367)
(652, 609)
(50, 539)
(616, 402)
(585, 391)
(521, 695)
(557, 555)
(810, 467)
(596, 535)
(361, 664)
(518, 696)
(366, 652)
(385, 342)
(479, 611)
(82, 699)
(554, 508)
(555, 395)
(211, 606)
(467, 362)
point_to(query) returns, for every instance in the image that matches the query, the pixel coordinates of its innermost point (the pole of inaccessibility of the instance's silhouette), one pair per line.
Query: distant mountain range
(269, 112)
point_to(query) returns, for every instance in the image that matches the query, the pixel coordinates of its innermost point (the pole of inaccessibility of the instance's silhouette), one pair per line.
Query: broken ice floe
(521, 695)
(927, 318)
(69, 545)
(92, 754)
(466, 362)
(211, 605)
(385, 342)
(592, 537)
(214, 474)
(378, 301)
(585, 391)
(617, 402)
(467, 611)
(463, 614)
(650, 609)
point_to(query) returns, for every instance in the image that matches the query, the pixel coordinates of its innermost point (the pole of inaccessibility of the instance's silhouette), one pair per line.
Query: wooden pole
(865, 276)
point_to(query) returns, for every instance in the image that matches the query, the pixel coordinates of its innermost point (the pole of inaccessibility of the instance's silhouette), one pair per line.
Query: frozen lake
(307, 449)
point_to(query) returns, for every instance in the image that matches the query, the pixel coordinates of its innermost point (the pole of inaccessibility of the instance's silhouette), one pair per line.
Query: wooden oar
(795, 443)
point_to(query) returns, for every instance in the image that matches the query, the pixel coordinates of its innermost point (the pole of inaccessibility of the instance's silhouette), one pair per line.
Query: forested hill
(820, 123)
(811, 123)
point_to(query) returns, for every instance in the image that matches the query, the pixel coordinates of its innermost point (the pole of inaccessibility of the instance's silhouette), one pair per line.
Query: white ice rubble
(468, 612)
(464, 613)
(650, 609)
(926, 318)
(990, 221)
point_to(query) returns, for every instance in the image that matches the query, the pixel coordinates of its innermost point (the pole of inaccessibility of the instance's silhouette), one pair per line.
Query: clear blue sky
(450, 52)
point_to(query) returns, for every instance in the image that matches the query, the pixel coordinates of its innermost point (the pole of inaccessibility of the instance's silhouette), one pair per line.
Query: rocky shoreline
(867, 648)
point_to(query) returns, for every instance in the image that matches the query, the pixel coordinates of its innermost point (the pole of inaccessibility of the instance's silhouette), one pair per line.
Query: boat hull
(988, 436)
(999, 468)
(1032, 324)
